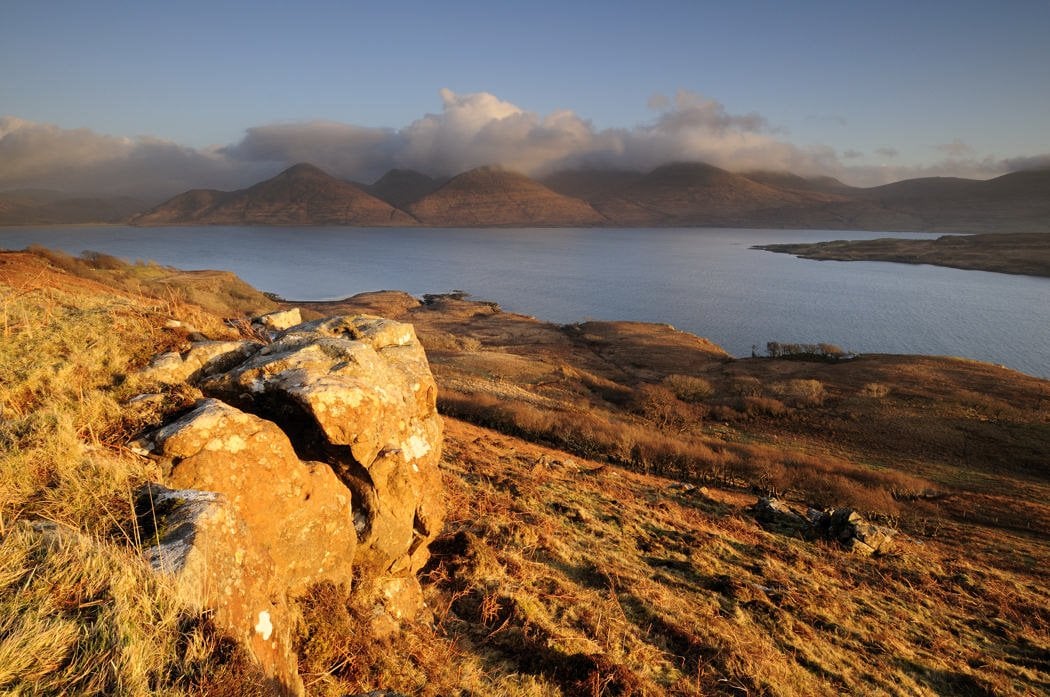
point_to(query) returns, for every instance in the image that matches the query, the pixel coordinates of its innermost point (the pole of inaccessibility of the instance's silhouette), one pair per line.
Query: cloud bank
(471, 130)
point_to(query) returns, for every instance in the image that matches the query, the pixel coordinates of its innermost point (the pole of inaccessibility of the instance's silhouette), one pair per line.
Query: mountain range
(678, 194)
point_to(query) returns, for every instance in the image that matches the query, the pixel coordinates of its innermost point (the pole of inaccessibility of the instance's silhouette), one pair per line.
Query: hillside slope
(56, 208)
(490, 196)
(300, 195)
(401, 187)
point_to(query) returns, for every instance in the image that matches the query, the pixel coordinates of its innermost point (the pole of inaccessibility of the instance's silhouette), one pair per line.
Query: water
(706, 281)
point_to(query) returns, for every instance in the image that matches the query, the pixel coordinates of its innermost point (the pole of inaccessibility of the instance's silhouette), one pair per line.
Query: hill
(300, 195)
(1015, 202)
(36, 207)
(490, 196)
(590, 184)
(694, 193)
(401, 187)
(786, 180)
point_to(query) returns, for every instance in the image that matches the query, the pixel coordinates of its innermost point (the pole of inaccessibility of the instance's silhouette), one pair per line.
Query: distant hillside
(493, 196)
(687, 194)
(300, 195)
(1015, 202)
(590, 184)
(694, 193)
(401, 187)
(40, 207)
(697, 194)
(786, 180)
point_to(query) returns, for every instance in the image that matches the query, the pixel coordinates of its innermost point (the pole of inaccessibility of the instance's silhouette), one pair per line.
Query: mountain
(687, 194)
(695, 193)
(401, 187)
(300, 195)
(590, 184)
(42, 207)
(787, 180)
(490, 196)
(1015, 202)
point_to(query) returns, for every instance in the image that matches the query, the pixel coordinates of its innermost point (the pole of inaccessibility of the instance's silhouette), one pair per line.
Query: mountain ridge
(300, 195)
(681, 194)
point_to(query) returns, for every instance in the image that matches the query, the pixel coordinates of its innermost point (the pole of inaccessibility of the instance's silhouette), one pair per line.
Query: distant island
(684, 194)
(1017, 253)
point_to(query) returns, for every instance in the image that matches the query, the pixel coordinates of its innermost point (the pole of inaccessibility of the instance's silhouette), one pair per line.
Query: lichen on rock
(313, 457)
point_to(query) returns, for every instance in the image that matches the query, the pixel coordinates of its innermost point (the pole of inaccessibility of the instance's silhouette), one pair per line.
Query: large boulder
(357, 393)
(842, 525)
(175, 367)
(279, 320)
(216, 563)
(314, 458)
(299, 512)
(851, 530)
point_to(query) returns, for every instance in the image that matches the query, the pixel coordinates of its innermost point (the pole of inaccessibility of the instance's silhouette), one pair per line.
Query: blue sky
(900, 86)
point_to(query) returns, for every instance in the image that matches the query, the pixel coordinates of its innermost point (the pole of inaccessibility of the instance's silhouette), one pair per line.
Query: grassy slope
(574, 560)
(1016, 253)
(80, 611)
(607, 577)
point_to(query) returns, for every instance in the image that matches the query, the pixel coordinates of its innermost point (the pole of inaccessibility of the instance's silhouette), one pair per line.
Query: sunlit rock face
(356, 393)
(314, 458)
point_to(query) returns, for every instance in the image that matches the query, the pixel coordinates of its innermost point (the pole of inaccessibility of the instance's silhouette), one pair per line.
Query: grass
(600, 581)
(80, 610)
(662, 445)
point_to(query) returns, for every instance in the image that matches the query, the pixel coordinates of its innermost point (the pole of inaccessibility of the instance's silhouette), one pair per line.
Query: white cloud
(38, 155)
(470, 130)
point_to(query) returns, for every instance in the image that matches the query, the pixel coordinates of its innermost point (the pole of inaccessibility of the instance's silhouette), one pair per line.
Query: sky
(144, 97)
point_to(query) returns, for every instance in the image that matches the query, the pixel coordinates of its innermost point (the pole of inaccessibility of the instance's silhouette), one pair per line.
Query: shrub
(829, 352)
(663, 408)
(875, 390)
(744, 386)
(803, 393)
(689, 388)
(754, 406)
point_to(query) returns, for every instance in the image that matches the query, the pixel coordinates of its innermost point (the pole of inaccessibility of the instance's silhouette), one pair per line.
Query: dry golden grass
(600, 581)
(80, 610)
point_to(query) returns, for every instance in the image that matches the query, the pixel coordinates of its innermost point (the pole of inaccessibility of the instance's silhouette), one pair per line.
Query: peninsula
(1016, 253)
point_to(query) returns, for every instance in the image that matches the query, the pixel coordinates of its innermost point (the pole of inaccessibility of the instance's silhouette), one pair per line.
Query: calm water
(706, 281)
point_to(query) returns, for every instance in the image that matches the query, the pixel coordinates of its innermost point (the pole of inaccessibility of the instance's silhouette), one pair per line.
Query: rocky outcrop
(174, 367)
(299, 512)
(776, 514)
(278, 320)
(358, 393)
(851, 530)
(842, 525)
(314, 458)
(218, 564)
